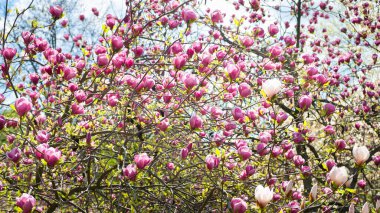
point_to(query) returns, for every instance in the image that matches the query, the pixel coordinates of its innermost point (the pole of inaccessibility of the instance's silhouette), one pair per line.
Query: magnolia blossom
(365, 208)
(272, 87)
(142, 160)
(23, 106)
(26, 202)
(361, 154)
(263, 195)
(313, 192)
(339, 175)
(352, 208)
(238, 205)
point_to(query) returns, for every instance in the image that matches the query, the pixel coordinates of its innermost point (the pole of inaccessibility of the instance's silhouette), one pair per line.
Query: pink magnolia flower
(265, 137)
(233, 71)
(305, 102)
(117, 42)
(212, 162)
(42, 136)
(130, 172)
(245, 90)
(23, 106)
(102, 60)
(9, 53)
(255, 4)
(2, 122)
(246, 41)
(77, 109)
(196, 122)
(14, 154)
(179, 61)
(69, 73)
(244, 152)
(64, 22)
(273, 29)
(52, 156)
(238, 205)
(142, 160)
(170, 166)
(163, 125)
(184, 153)
(26, 202)
(80, 95)
(176, 48)
(188, 15)
(27, 37)
(190, 81)
(329, 108)
(56, 11)
(237, 113)
(216, 16)
(40, 150)
(275, 51)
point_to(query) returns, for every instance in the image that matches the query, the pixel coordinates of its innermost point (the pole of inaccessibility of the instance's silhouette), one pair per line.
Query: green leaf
(34, 23)
(217, 152)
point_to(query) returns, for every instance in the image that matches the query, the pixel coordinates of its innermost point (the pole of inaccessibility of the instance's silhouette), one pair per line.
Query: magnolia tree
(266, 106)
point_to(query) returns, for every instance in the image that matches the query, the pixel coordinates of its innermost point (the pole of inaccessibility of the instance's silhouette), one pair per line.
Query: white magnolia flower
(314, 191)
(361, 154)
(289, 187)
(272, 87)
(365, 208)
(352, 208)
(339, 175)
(263, 195)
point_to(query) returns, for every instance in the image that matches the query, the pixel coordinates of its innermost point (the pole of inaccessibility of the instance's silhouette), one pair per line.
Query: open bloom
(272, 87)
(52, 156)
(339, 175)
(361, 154)
(14, 154)
(130, 172)
(42, 136)
(142, 160)
(23, 106)
(238, 205)
(212, 162)
(263, 195)
(26, 202)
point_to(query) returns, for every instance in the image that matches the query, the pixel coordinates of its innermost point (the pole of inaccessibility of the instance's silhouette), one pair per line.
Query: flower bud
(195, 122)
(56, 11)
(238, 205)
(305, 102)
